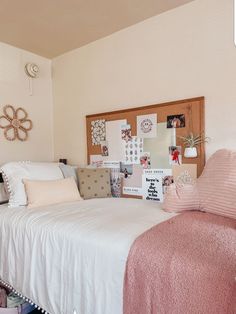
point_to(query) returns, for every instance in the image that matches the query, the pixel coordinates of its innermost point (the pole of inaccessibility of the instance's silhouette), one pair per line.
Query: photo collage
(132, 172)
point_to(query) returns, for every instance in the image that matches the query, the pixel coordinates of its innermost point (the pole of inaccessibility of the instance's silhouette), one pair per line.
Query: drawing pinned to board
(126, 132)
(98, 131)
(145, 160)
(147, 126)
(185, 174)
(104, 148)
(132, 150)
(175, 157)
(176, 121)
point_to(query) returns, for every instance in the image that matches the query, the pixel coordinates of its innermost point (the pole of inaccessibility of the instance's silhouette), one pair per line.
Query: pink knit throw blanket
(186, 265)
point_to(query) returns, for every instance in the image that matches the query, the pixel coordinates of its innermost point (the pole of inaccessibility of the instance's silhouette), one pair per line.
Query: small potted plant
(190, 142)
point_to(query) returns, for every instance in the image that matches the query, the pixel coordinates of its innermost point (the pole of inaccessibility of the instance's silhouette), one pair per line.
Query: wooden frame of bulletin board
(193, 109)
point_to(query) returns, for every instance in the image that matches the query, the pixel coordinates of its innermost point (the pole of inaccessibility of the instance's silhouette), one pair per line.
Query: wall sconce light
(32, 71)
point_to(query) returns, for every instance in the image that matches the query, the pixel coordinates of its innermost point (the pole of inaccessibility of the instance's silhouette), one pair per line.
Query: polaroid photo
(175, 156)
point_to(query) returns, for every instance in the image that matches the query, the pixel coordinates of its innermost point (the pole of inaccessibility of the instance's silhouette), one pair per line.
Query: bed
(72, 257)
(83, 257)
(117, 255)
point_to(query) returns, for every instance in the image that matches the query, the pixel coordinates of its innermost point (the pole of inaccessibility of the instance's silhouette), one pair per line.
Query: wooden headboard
(193, 109)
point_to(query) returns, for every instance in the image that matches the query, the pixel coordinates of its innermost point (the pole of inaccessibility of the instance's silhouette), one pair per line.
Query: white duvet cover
(72, 256)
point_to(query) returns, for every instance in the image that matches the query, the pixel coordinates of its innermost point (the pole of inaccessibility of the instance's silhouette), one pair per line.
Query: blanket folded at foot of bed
(184, 265)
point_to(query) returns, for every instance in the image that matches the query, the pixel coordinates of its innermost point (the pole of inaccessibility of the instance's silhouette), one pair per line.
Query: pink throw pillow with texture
(214, 191)
(181, 198)
(217, 184)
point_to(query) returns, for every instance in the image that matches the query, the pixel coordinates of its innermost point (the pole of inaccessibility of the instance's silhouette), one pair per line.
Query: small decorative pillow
(69, 171)
(14, 172)
(43, 193)
(217, 184)
(179, 198)
(94, 183)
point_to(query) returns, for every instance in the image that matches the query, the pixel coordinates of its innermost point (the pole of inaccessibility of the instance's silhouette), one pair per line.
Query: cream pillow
(43, 193)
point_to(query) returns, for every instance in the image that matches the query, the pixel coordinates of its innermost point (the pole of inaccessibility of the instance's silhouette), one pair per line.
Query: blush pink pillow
(214, 191)
(217, 184)
(181, 198)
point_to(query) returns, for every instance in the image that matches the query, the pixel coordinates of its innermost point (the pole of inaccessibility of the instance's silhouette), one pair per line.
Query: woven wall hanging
(15, 123)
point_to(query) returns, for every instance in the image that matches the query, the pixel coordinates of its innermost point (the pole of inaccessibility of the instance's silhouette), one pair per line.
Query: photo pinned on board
(145, 160)
(176, 121)
(126, 169)
(104, 148)
(126, 132)
(175, 156)
(166, 181)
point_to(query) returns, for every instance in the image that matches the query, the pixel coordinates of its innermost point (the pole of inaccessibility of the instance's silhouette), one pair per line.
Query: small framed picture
(176, 121)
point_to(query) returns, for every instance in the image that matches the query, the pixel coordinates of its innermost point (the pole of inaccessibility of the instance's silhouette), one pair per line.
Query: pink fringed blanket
(186, 265)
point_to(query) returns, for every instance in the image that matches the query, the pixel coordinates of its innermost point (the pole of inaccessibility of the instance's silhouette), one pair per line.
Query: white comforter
(72, 256)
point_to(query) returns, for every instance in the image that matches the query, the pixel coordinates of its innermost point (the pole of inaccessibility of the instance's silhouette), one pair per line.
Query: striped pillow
(217, 184)
(180, 198)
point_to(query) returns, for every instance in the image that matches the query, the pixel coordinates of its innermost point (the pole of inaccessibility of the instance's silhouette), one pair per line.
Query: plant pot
(190, 152)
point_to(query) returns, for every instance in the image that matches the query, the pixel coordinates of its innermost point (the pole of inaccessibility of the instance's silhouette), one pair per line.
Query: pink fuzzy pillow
(214, 191)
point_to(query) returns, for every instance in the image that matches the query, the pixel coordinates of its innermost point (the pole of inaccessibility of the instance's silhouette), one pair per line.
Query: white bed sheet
(72, 256)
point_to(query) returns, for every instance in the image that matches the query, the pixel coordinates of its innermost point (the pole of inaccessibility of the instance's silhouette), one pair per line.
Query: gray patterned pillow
(94, 183)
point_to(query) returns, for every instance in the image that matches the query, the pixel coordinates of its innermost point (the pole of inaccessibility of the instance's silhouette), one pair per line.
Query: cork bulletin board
(191, 109)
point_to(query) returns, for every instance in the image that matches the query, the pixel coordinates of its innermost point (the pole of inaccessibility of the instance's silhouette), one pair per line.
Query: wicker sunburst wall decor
(15, 123)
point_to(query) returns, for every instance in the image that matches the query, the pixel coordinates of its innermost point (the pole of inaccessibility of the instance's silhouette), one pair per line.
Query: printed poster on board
(132, 150)
(132, 184)
(116, 149)
(166, 174)
(147, 126)
(152, 188)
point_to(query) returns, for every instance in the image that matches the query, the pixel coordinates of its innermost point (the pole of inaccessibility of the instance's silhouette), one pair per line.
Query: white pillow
(14, 172)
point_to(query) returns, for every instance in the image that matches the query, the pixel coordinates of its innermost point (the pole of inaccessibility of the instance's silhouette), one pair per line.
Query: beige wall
(14, 89)
(183, 53)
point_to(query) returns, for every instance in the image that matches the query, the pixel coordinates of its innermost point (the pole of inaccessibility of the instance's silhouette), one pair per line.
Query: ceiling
(53, 27)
